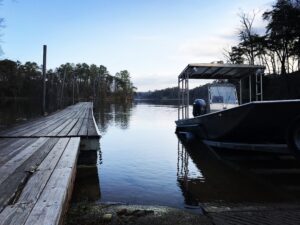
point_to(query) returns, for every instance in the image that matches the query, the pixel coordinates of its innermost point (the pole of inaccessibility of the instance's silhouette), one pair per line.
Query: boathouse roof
(219, 71)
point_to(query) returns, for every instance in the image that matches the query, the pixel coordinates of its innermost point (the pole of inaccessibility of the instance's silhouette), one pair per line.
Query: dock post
(44, 78)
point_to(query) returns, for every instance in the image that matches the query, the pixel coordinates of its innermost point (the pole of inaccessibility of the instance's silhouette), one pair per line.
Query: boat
(222, 120)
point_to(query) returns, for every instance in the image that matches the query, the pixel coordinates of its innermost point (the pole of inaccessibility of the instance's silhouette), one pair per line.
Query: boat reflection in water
(217, 183)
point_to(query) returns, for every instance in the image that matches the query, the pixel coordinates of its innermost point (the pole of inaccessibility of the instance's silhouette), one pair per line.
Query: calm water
(139, 155)
(142, 161)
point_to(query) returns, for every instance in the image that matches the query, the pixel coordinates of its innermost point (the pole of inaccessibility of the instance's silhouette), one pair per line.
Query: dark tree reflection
(118, 113)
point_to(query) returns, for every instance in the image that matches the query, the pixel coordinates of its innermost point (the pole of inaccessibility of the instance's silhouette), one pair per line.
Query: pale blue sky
(154, 39)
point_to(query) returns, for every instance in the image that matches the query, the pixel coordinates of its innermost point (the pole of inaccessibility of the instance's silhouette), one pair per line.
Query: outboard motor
(199, 107)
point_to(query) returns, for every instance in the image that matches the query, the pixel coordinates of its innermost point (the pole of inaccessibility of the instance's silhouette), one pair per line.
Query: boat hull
(255, 122)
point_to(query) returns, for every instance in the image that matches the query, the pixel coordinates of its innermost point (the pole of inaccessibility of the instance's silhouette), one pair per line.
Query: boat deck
(38, 165)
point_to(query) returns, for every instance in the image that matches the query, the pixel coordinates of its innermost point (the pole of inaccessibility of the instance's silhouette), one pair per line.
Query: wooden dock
(38, 165)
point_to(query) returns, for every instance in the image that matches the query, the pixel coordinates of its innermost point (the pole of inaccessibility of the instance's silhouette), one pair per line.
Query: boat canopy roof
(219, 71)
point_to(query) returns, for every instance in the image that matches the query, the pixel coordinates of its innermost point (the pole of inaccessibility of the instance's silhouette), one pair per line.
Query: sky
(153, 39)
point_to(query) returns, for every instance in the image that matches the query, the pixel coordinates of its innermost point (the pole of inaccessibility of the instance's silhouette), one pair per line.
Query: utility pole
(44, 79)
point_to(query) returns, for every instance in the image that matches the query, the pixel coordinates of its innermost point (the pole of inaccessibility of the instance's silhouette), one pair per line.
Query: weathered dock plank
(32, 123)
(83, 128)
(76, 128)
(38, 180)
(92, 127)
(9, 167)
(55, 178)
(36, 129)
(68, 128)
(13, 147)
(17, 170)
(38, 165)
(71, 122)
(51, 205)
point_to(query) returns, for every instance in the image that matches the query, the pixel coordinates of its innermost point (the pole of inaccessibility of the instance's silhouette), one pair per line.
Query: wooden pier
(38, 165)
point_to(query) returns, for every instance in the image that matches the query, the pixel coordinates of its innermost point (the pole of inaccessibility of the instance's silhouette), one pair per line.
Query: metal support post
(178, 98)
(185, 98)
(188, 96)
(182, 98)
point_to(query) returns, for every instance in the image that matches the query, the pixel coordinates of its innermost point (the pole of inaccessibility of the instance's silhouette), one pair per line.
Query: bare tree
(246, 35)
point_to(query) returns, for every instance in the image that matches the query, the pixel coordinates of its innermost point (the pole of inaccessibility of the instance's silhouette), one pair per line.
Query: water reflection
(14, 111)
(87, 183)
(86, 187)
(138, 154)
(21, 109)
(220, 183)
(122, 114)
(278, 170)
(142, 162)
(184, 177)
(110, 114)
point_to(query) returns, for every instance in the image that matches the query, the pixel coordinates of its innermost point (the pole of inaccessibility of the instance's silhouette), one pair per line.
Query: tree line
(65, 84)
(171, 94)
(278, 48)
(275, 88)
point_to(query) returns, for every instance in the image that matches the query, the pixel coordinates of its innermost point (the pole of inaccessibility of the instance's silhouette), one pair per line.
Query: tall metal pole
(44, 78)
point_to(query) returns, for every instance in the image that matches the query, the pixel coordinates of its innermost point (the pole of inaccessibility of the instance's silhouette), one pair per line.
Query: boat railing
(220, 72)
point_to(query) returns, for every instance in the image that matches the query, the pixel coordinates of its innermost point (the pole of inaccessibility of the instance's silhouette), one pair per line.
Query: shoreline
(118, 213)
(241, 213)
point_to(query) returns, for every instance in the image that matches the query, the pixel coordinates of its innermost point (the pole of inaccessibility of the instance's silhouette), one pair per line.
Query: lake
(142, 161)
